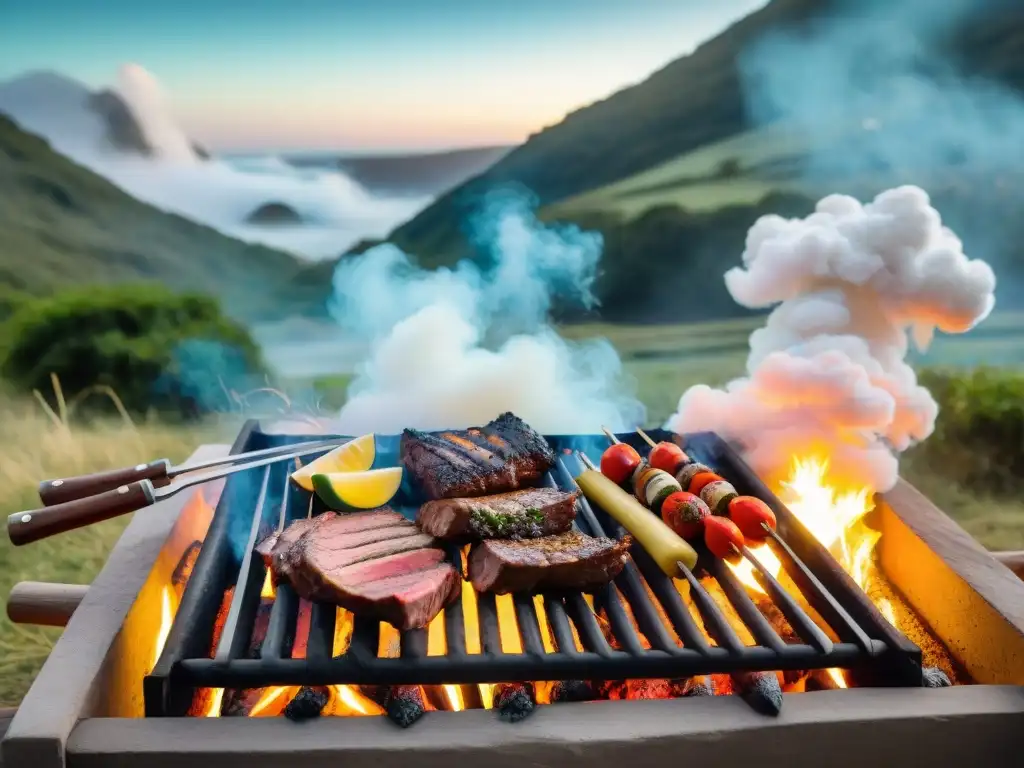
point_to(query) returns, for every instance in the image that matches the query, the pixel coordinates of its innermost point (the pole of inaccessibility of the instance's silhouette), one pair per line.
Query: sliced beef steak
(524, 514)
(569, 560)
(504, 455)
(374, 563)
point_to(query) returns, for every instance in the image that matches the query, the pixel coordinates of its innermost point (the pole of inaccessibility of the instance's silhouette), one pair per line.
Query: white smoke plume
(827, 373)
(455, 348)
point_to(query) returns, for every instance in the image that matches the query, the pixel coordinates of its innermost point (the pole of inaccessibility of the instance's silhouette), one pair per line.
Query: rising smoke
(457, 347)
(827, 372)
(878, 87)
(874, 90)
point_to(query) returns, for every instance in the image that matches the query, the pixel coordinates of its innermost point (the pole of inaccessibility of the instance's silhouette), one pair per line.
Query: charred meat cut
(524, 514)
(374, 563)
(505, 455)
(569, 560)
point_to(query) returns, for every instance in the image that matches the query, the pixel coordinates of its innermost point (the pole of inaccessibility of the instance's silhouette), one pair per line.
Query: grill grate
(257, 502)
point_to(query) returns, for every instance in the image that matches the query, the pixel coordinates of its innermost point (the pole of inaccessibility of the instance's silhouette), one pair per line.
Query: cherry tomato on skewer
(722, 537)
(684, 513)
(618, 462)
(750, 515)
(667, 457)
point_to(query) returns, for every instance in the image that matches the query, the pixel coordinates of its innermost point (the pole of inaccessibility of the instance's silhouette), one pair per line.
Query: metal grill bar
(642, 608)
(560, 626)
(487, 618)
(242, 613)
(763, 632)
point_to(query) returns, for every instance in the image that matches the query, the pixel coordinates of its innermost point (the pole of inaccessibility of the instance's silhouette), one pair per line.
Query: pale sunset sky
(250, 75)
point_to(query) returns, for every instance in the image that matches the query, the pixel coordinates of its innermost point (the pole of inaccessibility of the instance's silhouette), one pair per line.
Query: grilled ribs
(373, 563)
(569, 560)
(524, 514)
(505, 455)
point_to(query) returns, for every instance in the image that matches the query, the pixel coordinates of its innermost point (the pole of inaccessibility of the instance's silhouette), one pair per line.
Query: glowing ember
(214, 702)
(346, 700)
(838, 677)
(273, 701)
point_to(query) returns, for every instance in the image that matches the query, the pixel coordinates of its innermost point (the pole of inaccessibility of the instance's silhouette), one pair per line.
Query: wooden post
(43, 603)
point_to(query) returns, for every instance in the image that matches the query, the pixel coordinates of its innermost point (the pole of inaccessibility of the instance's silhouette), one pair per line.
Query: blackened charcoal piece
(308, 703)
(573, 690)
(761, 690)
(700, 685)
(404, 705)
(514, 701)
(933, 677)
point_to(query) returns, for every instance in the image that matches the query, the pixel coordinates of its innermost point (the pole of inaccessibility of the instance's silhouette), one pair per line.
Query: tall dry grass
(39, 442)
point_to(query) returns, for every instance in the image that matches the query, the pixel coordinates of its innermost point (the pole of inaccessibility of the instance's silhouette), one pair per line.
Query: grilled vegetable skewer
(620, 461)
(753, 517)
(665, 456)
(666, 548)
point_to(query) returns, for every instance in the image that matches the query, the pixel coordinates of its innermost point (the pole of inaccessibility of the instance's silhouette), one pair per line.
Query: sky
(254, 75)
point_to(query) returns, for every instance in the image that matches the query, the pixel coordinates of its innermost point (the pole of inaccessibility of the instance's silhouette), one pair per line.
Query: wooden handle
(26, 527)
(43, 603)
(68, 489)
(1012, 560)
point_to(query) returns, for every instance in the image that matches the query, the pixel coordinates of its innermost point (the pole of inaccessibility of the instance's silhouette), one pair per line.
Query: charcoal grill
(257, 502)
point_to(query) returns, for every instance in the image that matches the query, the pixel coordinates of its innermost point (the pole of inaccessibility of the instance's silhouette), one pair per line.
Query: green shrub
(978, 442)
(161, 351)
(10, 301)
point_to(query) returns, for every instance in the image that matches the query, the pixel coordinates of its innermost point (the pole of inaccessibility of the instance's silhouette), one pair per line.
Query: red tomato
(749, 513)
(685, 513)
(700, 480)
(722, 537)
(618, 462)
(667, 457)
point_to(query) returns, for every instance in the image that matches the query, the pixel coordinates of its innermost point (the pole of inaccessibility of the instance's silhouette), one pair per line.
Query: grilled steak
(504, 455)
(569, 560)
(523, 514)
(373, 563)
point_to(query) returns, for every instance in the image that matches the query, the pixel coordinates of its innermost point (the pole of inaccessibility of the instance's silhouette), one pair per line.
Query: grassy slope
(36, 446)
(62, 224)
(691, 104)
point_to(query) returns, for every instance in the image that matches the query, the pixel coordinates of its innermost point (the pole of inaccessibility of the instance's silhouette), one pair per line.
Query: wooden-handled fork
(160, 473)
(131, 495)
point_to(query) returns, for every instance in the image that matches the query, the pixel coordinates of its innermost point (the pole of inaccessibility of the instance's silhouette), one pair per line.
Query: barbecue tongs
(76, 502)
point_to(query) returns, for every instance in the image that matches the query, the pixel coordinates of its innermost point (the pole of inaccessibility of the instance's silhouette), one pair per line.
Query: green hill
(683, 138)
(61, 224)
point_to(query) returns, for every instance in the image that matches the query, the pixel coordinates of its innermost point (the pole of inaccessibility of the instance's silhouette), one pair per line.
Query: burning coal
(827, 373)
(453, 347)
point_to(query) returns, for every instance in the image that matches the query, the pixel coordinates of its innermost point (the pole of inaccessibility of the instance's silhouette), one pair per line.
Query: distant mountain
(692, 102)
(75, 119)
(61, 224)
(429, 173)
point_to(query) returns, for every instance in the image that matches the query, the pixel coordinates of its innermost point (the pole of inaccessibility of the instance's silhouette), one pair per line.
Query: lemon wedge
(354, 456)
(358, 490)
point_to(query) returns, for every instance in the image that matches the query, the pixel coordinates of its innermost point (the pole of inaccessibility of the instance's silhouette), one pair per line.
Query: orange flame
(168, 606)
(834, 514)
(268, 592)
